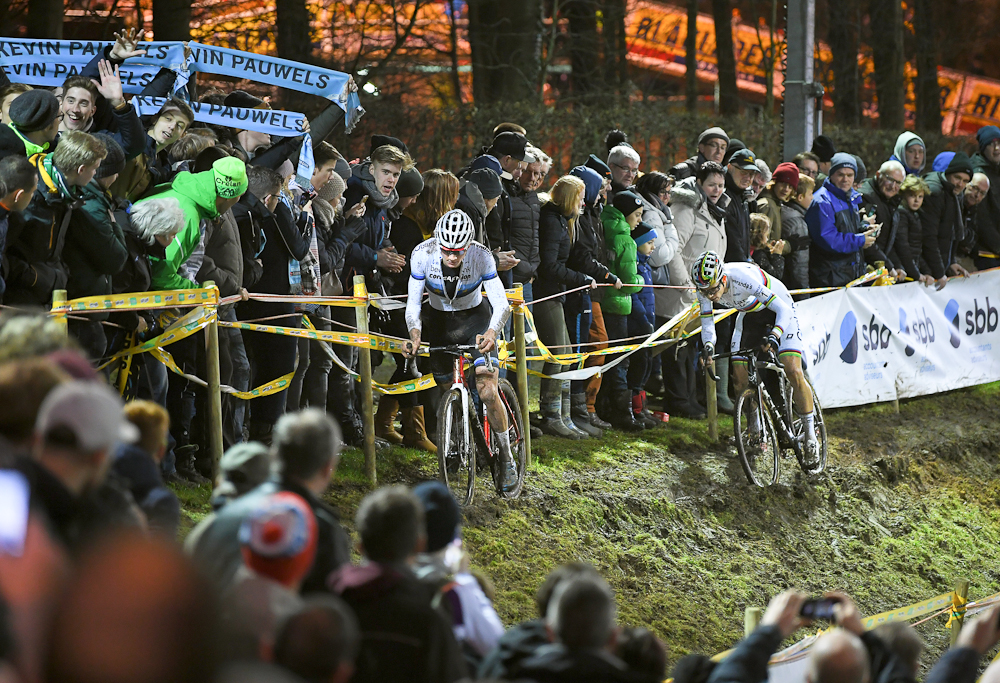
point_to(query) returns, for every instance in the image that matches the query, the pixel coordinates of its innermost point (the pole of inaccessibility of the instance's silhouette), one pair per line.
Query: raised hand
(127, 44)
(110, 85)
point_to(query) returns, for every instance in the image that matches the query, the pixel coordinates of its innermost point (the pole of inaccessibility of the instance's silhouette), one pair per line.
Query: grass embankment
(907, 506)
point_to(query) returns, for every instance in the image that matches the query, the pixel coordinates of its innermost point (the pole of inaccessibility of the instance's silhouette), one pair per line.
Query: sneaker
(510, 476)
(810, 453)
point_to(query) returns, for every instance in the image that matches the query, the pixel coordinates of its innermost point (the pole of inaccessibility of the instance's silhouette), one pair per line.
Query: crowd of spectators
(95, 199)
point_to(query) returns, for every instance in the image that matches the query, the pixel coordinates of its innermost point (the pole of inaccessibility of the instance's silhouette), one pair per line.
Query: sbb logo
(980, 320)
(876, 336)
(922, 329)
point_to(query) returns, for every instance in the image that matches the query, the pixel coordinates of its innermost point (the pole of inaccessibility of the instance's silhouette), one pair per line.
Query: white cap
(91, 410)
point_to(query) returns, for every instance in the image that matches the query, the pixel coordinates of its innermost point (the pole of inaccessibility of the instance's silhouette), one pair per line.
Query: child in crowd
(796, 233)
(18, 180)
(764, 251)
(640, 324)
(139, 464)
(908, 246)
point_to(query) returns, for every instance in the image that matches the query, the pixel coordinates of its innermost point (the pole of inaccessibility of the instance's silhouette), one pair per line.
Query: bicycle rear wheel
(756, 439)
(515, 429)
(456, 454)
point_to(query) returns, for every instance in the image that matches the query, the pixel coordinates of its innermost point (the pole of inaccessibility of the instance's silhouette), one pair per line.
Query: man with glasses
(624, 163)
(987, 162)
(967, 246)
(880, 197)
(712, 145)
(808, 164)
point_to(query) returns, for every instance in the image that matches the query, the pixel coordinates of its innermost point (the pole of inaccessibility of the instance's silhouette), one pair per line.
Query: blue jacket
(643, 301)
(836, 254)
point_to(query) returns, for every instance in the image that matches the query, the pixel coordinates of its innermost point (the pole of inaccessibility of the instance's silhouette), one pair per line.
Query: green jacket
(95, 246)
(196, 193)
(622, 257)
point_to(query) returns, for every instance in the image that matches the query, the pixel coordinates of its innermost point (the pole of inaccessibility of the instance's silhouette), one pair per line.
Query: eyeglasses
(712, 290)
(453, 252)
(889, 180)
(627, 169)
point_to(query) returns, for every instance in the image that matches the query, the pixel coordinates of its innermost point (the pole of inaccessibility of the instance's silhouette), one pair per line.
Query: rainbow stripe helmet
(707, 271)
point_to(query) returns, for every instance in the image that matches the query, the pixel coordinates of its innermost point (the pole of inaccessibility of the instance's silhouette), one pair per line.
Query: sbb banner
(873, 344)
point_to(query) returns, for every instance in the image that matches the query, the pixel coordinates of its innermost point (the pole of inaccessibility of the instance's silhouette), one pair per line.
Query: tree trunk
(456, 80)
(843, 39)
(729, 95)
(615, 49)
(886, 20)
(172, 19)
(294, 38)
(927, 89)
(691, 58)
(45, 19)
(519, 49)
(483, 22)
(584, 46)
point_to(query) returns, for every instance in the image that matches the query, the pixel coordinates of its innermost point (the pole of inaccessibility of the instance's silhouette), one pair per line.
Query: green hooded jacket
(622, 255)
(196, 193)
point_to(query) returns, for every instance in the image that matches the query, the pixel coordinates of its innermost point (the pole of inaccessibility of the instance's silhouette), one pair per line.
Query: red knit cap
(278, 539)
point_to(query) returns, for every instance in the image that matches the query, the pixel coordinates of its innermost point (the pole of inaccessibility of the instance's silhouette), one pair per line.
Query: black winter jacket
(876, 203)
(737, 223)
(988, 215)
(554, 276)
(941, 219)
(907, 250)
(285, 240)
(555, 663)
(524, 215)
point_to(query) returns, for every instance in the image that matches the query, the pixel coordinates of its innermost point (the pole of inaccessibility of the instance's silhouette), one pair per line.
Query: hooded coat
(908, 249)
(700, 228)
(524, 239)
(883, 207)
(36, 236)
(941, 220)
(403, 638)
(554, 275)
(621, 248)
(95, 246)
(196, 194)
(362, 254)
(988, 216)
(835, 255)
(586, 253)
(737, 223)
(796, 233)
(657, 215)
(899, 151)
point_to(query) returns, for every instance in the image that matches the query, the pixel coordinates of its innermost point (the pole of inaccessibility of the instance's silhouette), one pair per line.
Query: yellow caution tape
(181, 328)
(957, 609)
(144, 300)
(910, 611)
(372, 341)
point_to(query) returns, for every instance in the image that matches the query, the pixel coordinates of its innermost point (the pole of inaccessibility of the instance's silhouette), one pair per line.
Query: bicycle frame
(755, 365)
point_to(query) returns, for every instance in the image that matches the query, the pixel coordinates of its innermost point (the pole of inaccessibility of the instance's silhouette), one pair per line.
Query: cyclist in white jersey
(750, 290)
(454, 270)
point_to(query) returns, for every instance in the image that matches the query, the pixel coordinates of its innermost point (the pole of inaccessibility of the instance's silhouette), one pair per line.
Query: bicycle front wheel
(515, 431)
(456, 453)
(756, 439)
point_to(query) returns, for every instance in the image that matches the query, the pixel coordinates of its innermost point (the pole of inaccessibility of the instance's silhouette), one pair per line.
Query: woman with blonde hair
(556, 232)
(415, 225)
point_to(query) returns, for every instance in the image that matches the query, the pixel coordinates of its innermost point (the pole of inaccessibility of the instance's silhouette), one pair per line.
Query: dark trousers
(309, 385)
(640, 362)
(578, 315)
(90, 334)
(340, 384)
(235, 371)
(679, 376)
(272, 355)
(396, 327)
(614, 380)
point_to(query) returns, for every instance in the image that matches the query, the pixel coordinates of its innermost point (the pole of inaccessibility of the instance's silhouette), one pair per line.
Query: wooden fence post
(522, 379)
(365, 370)
(751, 617)
(215, 444)
(962, 590)
(59, 301)
(711, 407)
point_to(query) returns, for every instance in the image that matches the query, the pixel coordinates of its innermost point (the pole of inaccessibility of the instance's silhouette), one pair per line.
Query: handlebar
(451, 349)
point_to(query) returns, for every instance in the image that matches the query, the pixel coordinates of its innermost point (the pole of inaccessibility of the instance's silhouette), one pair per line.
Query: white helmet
(454, 230)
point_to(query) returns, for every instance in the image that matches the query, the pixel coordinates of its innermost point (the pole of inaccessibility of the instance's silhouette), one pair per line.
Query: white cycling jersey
(749, 290)
(478, 272)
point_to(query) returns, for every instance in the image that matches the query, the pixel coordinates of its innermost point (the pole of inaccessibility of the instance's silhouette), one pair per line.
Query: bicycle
(778, 427)
(460, 424)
